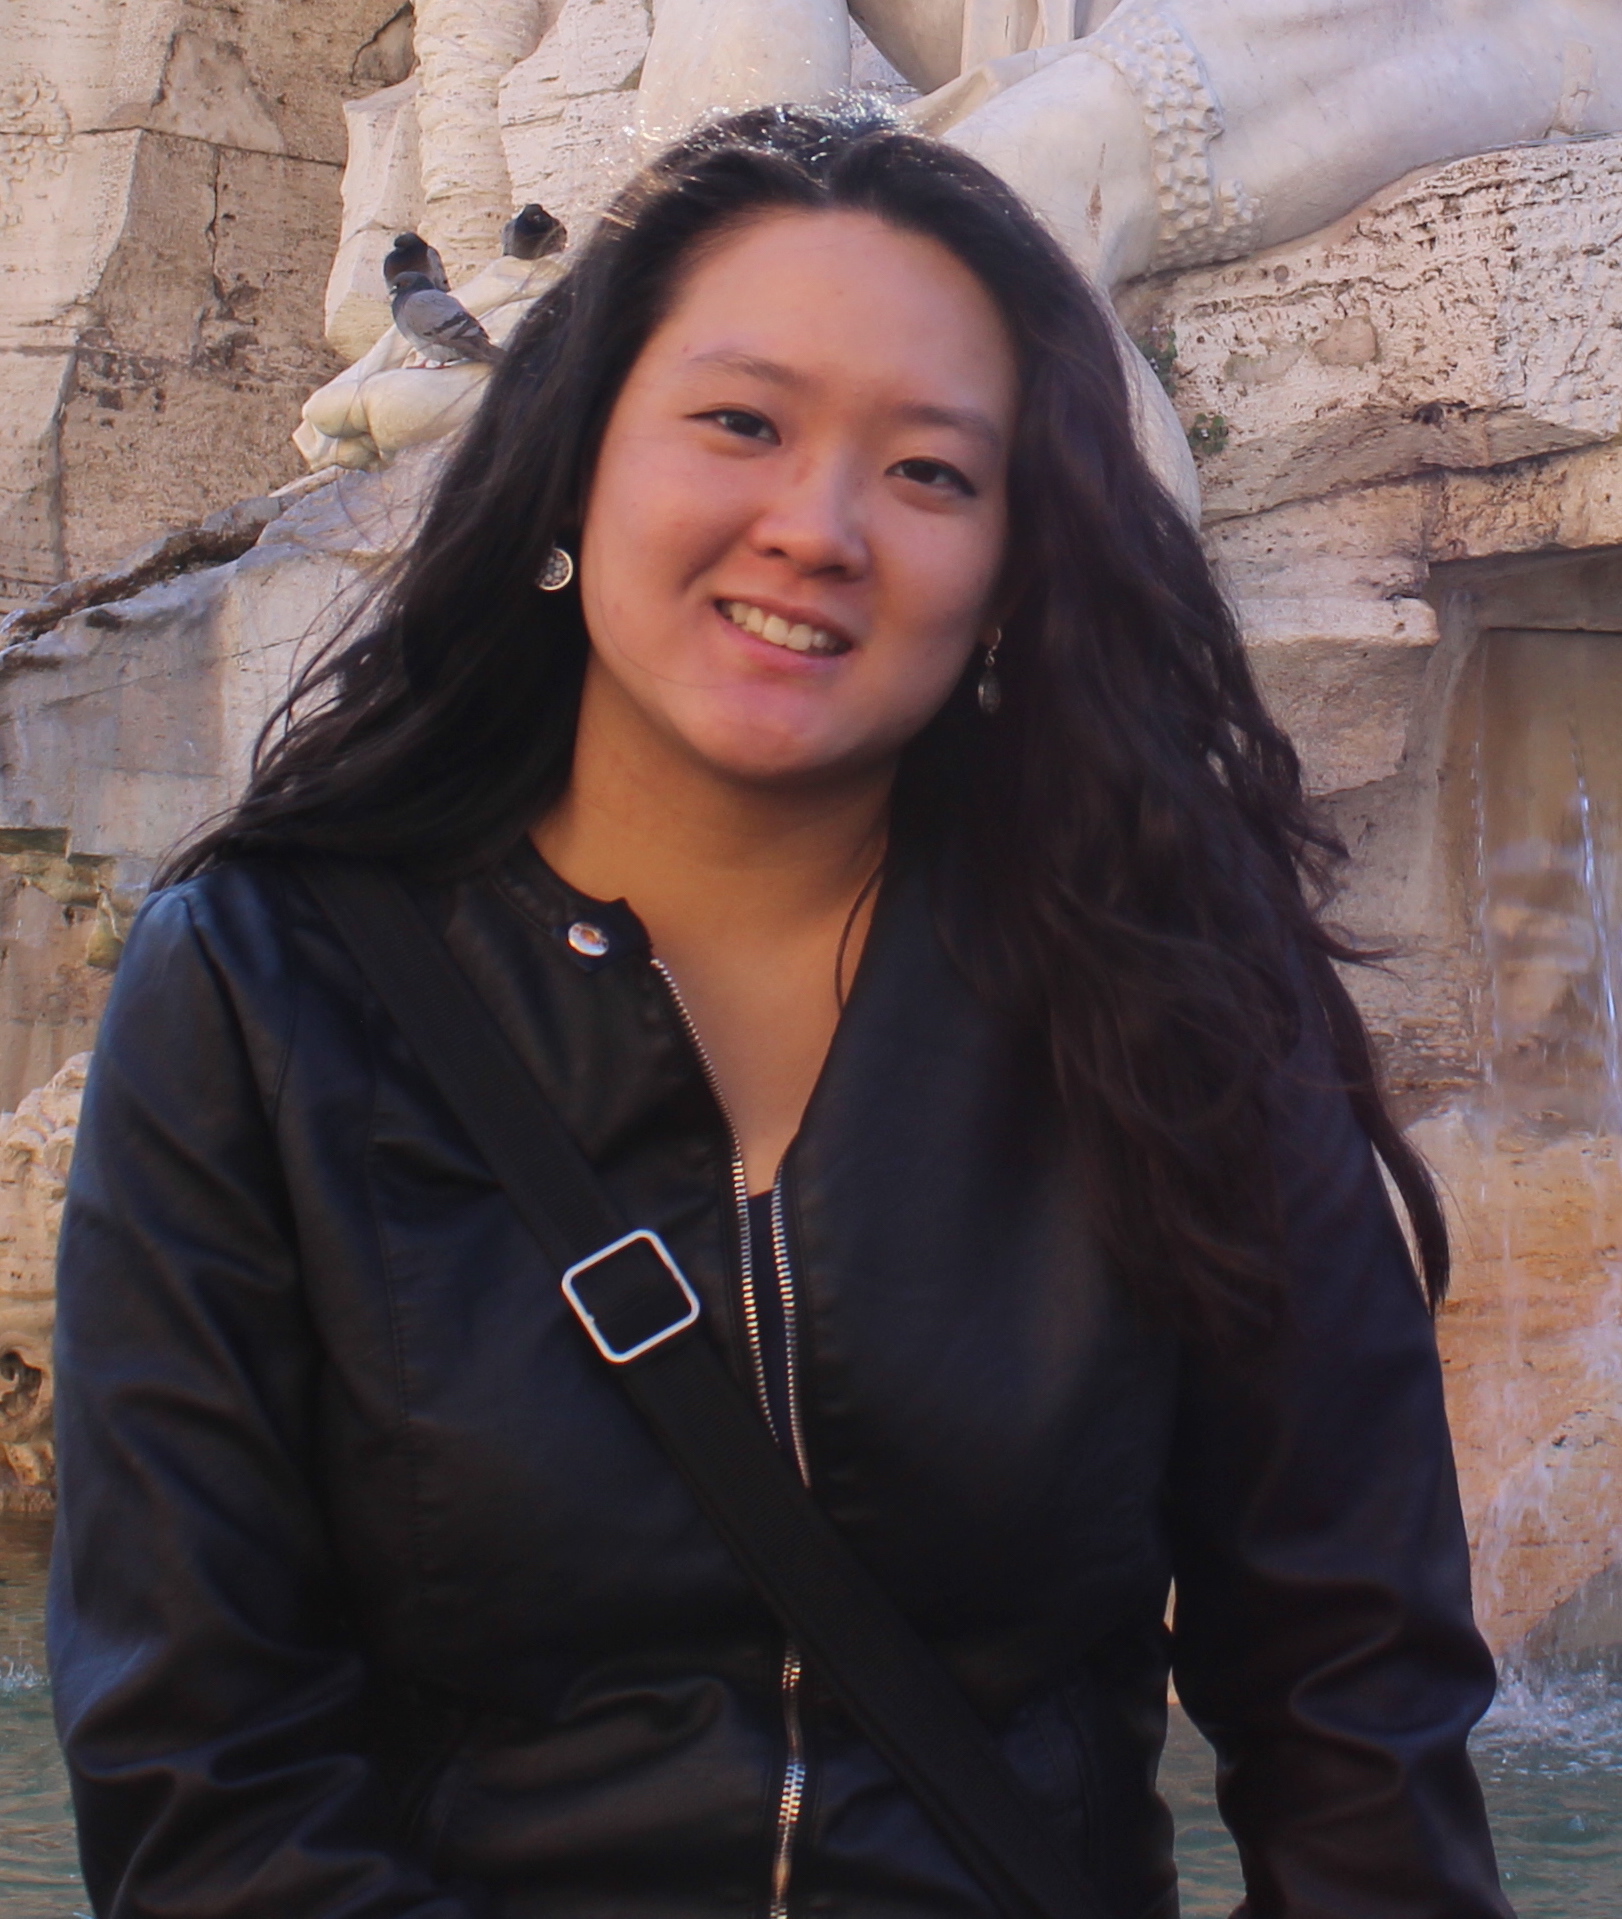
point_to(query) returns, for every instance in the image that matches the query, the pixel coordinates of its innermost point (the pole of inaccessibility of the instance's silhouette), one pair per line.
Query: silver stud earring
(989, 690)
(557, 572)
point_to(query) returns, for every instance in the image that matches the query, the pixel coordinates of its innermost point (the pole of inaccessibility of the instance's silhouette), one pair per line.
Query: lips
(794, 636)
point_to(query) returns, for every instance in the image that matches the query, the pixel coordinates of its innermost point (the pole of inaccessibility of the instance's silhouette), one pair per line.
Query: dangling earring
(557, 572)
(989, 690)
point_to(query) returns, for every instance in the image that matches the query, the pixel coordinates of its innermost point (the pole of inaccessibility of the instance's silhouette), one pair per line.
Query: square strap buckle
(635, 1296)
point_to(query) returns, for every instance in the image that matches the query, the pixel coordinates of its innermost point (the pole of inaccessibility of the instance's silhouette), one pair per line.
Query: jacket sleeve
(208, 1696)
(1323, 1635)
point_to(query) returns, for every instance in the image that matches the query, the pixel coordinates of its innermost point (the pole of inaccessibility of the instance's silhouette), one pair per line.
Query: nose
(815, 518)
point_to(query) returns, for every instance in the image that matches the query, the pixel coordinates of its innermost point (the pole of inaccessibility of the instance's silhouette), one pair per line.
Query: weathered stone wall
(1436, 379)
(1466, 318)
(169, 205)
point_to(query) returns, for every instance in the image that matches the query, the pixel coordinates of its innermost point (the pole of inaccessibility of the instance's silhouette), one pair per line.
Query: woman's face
(797, 520)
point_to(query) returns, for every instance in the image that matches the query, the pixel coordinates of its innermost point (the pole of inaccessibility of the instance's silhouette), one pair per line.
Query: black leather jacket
(373, 1597)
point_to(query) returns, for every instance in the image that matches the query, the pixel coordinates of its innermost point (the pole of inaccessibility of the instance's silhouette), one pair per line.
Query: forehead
(847, 301)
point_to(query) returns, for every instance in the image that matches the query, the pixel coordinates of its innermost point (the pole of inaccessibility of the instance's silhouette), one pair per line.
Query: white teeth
(773, 628)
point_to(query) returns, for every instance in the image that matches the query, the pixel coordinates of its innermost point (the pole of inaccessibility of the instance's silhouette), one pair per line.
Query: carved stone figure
(1151, 134)
(1164, 133)
(392, 398)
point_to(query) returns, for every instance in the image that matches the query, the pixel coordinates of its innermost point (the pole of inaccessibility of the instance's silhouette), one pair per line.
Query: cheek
(656, 513)
(939, 584)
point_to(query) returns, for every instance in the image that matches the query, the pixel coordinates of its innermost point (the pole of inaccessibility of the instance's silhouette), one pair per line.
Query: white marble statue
(1150, 134)
(392, 398)
(1161, 133)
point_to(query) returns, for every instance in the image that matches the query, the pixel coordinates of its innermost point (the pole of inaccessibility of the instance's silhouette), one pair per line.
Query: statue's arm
(721, 56)
(1326, 103)
(1301, 108)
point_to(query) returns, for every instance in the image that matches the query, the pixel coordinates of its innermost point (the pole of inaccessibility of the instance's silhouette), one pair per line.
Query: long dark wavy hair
(1143, 875)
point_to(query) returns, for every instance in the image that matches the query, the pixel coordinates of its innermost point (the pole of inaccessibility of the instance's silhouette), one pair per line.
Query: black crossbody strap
(643, 1318)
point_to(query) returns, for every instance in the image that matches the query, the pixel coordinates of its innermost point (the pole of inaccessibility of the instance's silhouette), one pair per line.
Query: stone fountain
(1370, 253)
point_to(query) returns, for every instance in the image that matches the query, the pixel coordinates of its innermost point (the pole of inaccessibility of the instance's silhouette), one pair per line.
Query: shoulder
(222, 931)
(245, 920)
(217, 963)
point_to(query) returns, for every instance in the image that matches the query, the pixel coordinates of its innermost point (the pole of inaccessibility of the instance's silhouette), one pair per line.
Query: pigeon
(438, 325)
(532, 233)
(411, 253)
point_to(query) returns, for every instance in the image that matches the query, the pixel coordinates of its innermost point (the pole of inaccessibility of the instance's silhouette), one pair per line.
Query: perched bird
(411, 253)
(438, 325)
(532, 233)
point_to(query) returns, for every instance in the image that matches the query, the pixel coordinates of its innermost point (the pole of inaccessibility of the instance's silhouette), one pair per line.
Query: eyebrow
(960, 419)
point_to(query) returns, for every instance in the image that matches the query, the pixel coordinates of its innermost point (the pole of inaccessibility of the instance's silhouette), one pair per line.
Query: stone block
(126, 725)
(1363, 543)
(208, 94)
(1567, 502)
(275, 227)
(143, 449)
(109, 728)
(32, 386)
(58, 227)
(211, 302)
(1468, 317)
(169, 204)
(270, 78)
(1343, 679)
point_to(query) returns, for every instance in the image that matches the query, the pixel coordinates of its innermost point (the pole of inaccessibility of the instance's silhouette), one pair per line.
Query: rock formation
(1408, 438)
(36, 1146)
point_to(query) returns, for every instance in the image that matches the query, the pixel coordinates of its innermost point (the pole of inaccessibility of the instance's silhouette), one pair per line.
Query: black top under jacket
(373, 1597)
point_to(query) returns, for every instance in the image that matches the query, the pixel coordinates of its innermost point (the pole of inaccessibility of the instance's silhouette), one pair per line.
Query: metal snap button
(589, 941)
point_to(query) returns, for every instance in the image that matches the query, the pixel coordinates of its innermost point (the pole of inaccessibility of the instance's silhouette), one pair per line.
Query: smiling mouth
(792, 636)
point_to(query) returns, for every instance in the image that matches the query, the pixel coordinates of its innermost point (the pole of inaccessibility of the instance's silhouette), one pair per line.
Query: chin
(744, 744)
(755, 759)
(782, 770)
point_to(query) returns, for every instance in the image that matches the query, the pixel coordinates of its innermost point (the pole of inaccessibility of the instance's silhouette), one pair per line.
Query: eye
(936, 475)
(738, 420)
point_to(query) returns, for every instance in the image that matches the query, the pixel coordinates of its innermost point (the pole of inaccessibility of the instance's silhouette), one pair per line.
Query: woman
(823, 748)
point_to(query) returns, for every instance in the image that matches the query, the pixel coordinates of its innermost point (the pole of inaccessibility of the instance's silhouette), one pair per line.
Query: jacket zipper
(792, 1801)
(791, 1794)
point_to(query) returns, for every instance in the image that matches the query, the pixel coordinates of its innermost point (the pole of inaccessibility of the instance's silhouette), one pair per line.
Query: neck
(751, 892)
(690, 850)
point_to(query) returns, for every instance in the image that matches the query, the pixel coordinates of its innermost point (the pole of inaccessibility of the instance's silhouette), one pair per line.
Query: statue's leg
(465, 49)
(1204, 129)
(721, 56)
(921, 39)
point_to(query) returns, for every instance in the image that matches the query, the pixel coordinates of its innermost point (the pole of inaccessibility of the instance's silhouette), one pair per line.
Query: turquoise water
(1550, 1758)
(39, 1868)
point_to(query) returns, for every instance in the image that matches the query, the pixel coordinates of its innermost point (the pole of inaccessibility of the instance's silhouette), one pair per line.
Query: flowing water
(39, 1871)
(1550, 1758)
